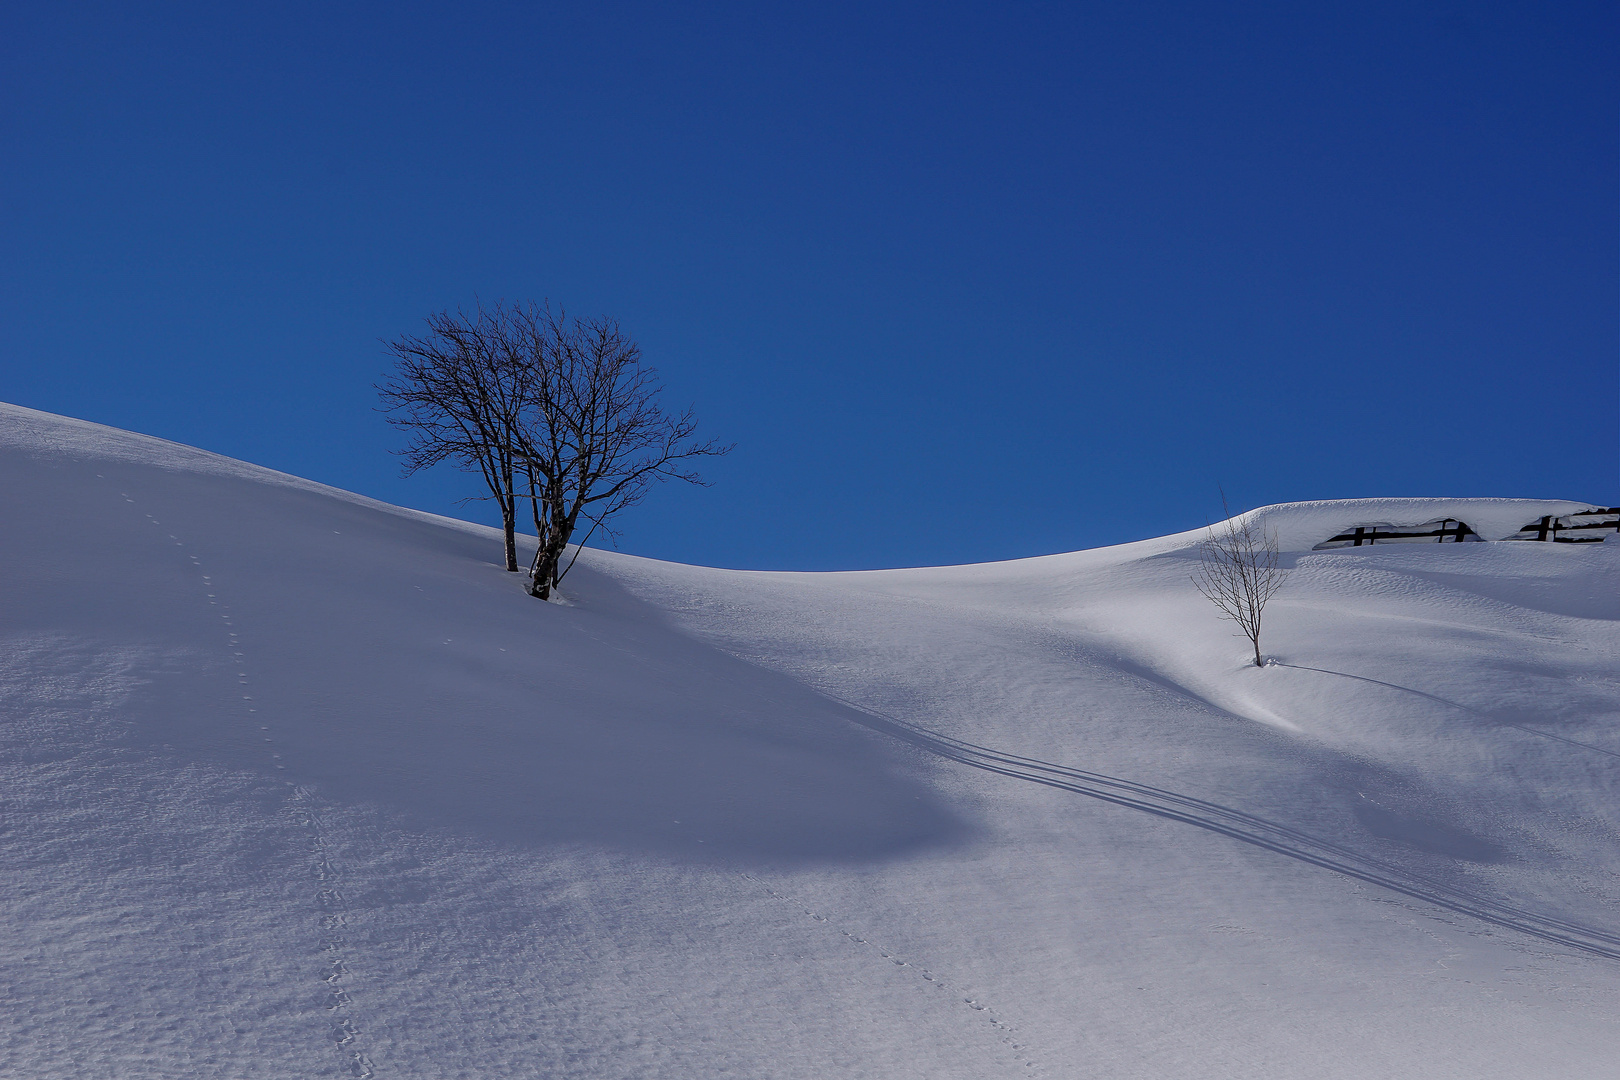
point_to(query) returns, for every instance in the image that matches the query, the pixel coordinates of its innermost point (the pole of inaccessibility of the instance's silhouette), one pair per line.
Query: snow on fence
(1444, 530)
(1587, 527)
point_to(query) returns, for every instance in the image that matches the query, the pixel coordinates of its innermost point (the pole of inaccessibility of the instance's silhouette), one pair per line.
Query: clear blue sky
(963, 281)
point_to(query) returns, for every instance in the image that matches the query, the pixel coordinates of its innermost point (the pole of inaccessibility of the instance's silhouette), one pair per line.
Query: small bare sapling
(1238, 571)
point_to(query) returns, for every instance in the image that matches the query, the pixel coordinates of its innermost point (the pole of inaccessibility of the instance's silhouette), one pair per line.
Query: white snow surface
(298, 784)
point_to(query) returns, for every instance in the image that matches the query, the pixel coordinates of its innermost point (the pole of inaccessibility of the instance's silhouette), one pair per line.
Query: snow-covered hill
(298, 784)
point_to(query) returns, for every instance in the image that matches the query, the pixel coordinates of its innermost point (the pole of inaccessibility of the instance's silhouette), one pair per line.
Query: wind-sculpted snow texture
(295, 783)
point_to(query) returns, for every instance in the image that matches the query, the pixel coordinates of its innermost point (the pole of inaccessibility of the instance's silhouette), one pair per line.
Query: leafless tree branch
(594, 432)
(1238, 571)
(456, 392)
(562, 404)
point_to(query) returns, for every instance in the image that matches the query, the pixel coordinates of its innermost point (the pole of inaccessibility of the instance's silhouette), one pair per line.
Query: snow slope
(299, 784)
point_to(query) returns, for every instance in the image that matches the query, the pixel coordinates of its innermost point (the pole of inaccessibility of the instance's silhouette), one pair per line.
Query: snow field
(298, 784)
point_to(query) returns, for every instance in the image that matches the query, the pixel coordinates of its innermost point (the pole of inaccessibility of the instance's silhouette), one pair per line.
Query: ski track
(304, 808)
(1006, 1032)
(1248, 828)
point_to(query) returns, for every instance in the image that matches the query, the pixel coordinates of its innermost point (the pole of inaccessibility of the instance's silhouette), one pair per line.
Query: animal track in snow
(345, 1033)
(1006, 1032)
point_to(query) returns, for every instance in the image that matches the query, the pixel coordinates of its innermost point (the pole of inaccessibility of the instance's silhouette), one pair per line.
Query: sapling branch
(1238, 571)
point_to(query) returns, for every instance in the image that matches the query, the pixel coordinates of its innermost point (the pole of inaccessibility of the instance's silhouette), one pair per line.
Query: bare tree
(458, 392)
(1239, 573)
(517, 393)
(592, 438)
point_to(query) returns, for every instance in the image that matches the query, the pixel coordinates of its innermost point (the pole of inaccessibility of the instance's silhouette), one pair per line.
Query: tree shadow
(1454, 705)
(386, 660)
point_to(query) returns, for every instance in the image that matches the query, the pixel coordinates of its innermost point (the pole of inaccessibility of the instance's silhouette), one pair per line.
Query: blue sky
(963, 282)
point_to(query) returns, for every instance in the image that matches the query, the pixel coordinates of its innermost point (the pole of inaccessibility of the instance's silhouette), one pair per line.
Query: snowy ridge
(298, 783)
(47, 437)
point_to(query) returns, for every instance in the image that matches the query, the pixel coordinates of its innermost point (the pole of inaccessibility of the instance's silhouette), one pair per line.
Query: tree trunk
(540, 574)
(545, 570)
(547, 560)
(510, 527)
(508, 505)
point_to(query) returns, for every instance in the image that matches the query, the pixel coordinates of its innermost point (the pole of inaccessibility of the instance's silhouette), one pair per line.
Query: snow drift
(300, 784)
